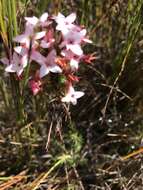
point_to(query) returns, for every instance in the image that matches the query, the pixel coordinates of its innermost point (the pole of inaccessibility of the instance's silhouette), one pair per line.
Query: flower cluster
(54, 43)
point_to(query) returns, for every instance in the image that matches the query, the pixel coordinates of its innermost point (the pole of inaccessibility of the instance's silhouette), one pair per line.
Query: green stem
(10, 24)
(2, 24)
(19, 103)
(13, 7)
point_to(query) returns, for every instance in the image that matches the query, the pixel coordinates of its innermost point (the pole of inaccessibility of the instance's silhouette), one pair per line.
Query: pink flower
(48, 40)
(73, 39)
(35, 86)
(49, 64)
(15, 65)
(62, 41)
(72, 95)
(29, 44)
(64, 24)
(29, 37)
(73, 59)
(42, 21)
(30, 55)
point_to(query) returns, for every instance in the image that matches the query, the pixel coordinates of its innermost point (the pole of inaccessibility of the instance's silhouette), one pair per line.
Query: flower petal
(67, 98)
(40, 35)
(18, 49)
(76, 49)
(87, 40)
(24, 60)
(38, 57)
(83, 32)
(59, 18)
(61, 27)
(16, 58)
(44, 70)
(73, 100)
(19, 70)
(78, 94)
(10, 68)
(55, 69)
(71, 18)
(20, 38)
(32, 20)
(74, 64)
(29, 30)
(21, 50)
(51, 57)
(71, 90)
(45, 44)
(43, 17)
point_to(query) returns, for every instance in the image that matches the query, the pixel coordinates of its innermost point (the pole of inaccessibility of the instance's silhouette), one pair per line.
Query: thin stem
(10, 26)
(15, 84)
(2, 25)
(13, 7)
